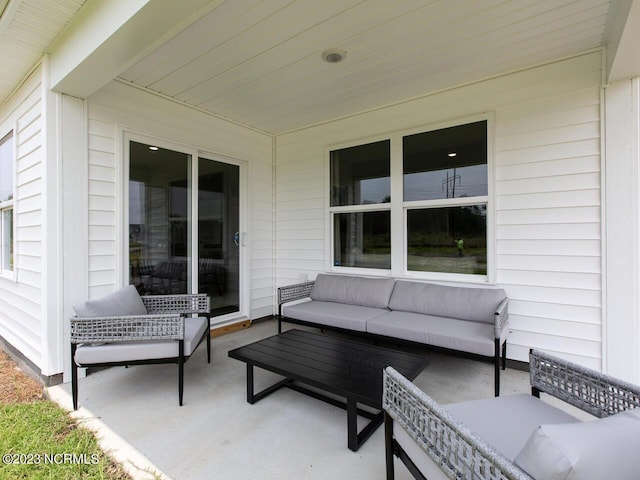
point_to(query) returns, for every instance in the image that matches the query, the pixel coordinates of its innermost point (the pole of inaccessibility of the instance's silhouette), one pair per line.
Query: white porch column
(73, 132)
(621, 275)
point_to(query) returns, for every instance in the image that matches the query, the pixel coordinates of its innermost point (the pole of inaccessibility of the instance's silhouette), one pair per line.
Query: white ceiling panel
(259, 62)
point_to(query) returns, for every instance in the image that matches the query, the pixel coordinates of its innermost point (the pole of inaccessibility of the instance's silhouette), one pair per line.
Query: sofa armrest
(130, 328)
(452, 446)
(596, 393)
(291, 293)
(501, 319)
(185, 304)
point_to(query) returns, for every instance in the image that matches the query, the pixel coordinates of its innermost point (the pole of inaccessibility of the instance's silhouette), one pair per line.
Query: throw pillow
(603, 448)
(125, 301)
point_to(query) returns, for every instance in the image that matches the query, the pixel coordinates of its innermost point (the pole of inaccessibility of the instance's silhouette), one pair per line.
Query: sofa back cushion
(473, 304)
(125, 301)
(366, 292)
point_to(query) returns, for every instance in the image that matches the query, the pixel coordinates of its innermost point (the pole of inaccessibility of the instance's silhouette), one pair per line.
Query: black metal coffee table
(349, 369)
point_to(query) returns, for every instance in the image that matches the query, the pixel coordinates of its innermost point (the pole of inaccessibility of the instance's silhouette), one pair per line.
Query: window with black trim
(445, 196)
(360, 196)
(445, 185)
(6, 202)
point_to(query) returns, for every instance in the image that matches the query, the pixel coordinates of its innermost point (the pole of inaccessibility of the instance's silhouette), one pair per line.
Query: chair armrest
(501, 319)
(294, 292)
(596, 393)
(130, 328)
(186, 304)
(452, 446)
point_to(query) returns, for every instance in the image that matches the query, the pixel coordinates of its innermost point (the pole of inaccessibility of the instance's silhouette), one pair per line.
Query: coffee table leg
(250, 396)
(352, 425)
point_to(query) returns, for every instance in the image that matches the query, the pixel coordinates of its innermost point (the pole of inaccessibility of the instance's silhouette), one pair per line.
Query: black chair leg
(74, 377)
(208, 347)
(388, 445)
(180, 371)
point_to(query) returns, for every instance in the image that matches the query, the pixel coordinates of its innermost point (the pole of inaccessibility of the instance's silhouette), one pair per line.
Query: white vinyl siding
(21, 309)
(547, 195)
(118, 108)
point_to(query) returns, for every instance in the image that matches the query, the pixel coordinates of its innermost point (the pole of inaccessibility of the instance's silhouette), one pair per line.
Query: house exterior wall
(547, 195)
(22, 314)
(119, 108)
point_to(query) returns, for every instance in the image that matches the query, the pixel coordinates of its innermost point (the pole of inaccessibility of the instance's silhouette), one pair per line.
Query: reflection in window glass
(362, 239)
(361, 175)
(6, 168)
(446, 163)
(450, 239)
(7, 239)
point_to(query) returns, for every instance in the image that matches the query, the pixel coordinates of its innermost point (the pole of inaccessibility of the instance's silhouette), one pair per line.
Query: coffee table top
(344, 367)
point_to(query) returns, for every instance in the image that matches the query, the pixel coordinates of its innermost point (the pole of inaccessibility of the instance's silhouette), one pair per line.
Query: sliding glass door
(165, 217)
(219, 234)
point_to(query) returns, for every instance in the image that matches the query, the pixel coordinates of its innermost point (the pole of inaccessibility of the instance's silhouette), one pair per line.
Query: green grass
(38, 440)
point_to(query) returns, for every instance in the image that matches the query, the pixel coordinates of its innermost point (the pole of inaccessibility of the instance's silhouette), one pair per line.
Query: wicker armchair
(517, 437)
(170, 331)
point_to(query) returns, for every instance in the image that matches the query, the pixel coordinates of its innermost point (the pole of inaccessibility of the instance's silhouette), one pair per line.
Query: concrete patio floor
(218, 435)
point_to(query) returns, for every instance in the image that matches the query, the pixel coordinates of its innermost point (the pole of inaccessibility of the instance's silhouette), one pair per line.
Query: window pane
(362, 239)
(451, 239)
(159, 220)
(7, 239)
(446, 163)
(360, 175)
(6, 168)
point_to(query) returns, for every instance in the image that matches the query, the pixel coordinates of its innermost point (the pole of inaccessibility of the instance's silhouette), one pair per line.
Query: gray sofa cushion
(352, 317)
(194, 328)
(125, 301)
(461, 335)
(367, 292)
(507, 422)
(473, 304)
(603, 448)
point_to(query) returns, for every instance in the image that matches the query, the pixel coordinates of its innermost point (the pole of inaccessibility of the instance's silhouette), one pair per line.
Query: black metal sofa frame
(301, 291)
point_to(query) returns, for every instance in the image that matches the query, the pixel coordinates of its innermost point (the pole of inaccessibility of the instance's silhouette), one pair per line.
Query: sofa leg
(496, 367)
(504, 355)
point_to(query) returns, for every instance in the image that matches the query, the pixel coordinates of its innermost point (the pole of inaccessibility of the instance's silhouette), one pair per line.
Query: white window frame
(399, 208)
(8, 206)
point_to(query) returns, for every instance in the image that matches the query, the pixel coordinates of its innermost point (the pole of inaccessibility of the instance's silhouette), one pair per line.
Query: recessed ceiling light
(154, 148)
(334, 55)
(452, 154)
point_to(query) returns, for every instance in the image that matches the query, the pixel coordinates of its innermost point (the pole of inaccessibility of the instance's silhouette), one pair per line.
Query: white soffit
(260, 62)
(27, 28)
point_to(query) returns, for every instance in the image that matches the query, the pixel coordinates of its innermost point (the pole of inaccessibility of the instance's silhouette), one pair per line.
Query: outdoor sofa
(124, 328)
(520, 436)
(462, 319)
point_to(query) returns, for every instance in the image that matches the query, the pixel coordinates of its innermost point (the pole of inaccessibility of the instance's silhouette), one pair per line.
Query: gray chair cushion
(125, 301)
(367, 292)
(507, 422)
(340, 315)
(194, 329)
(603, 448)
(473, 304)
(461, 335)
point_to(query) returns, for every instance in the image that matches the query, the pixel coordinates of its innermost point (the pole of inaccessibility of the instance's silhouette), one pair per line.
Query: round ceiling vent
(333, 55)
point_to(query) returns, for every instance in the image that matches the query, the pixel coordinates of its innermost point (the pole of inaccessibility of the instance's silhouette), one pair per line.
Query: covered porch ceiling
(260, 63)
